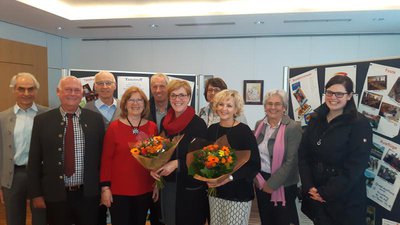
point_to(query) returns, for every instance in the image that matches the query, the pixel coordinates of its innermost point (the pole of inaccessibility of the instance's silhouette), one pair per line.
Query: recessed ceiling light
(259, 22)
(59, 28)
(154, 26)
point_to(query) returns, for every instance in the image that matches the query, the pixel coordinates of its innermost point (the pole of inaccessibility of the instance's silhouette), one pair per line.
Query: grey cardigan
(288, 173)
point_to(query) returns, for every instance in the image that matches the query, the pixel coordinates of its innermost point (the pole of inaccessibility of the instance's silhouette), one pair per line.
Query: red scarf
(175, 125)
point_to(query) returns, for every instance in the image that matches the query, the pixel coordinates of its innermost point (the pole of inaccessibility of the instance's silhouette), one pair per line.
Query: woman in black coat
(333, 155)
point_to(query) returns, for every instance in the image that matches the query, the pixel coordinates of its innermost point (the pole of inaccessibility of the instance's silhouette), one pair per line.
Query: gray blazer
(288, 173)
(91, 106)
(7, 148)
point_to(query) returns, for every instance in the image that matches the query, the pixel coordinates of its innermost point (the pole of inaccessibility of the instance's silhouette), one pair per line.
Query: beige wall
(18, 57)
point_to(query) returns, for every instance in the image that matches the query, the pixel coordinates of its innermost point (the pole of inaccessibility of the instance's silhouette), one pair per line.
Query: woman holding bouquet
(127, 186)
(278, 138)
(234, 194)
(183, 199)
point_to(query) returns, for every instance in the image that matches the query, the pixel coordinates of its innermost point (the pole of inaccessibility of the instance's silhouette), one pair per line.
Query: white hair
(13, 80)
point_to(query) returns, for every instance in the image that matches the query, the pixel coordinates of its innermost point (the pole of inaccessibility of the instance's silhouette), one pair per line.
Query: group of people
(70, 160)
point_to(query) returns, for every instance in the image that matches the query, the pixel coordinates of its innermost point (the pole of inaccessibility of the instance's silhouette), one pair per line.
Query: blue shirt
(106, 111)
(23, 132)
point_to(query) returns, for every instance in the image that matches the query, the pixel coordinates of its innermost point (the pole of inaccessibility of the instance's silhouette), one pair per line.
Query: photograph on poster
(299, 94)
(390, 112)
(89, 93)
(377, 83)
(387, 174)
(377, 150)
(395, 91)
(371, 99)
(369, 178)
(393, 159)
(370, 219)
(373, 119)
(373, 164)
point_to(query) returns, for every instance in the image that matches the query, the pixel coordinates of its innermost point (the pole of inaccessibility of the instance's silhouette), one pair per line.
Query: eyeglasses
(106, 83)
(135, 100)
(276, 104)
(23, 90)
(213, 90)
(180, 96)
(337, 94)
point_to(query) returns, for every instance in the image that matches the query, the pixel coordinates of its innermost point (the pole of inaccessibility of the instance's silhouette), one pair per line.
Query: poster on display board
(383, 172)
(303, 90)
(143, 81)
(389, 222)
(380, 99)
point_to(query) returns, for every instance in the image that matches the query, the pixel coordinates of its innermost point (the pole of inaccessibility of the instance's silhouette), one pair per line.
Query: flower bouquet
(214, 163)
(153, 152)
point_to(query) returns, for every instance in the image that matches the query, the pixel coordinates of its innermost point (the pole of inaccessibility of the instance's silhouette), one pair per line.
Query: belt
(19, 166)
(74, 188)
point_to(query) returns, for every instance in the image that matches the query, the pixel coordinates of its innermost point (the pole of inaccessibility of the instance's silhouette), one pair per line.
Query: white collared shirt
(263, 146)
(23, 132)
(106, 110)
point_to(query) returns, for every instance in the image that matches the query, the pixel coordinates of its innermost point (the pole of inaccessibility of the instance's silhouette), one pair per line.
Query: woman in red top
(126, 186)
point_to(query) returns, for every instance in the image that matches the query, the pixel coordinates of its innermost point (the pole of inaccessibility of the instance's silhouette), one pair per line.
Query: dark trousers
(155, 213)
(15, 201)
(77, 210)
(130, 210)
(277, 215)
(102, 219)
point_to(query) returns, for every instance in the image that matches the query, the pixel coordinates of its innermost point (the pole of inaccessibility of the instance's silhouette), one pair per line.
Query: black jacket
(332, 158)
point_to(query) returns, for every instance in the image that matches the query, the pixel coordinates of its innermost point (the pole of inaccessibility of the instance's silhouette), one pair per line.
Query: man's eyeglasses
(135, 100)
(180, 96)
(337, 94)
(106, 83)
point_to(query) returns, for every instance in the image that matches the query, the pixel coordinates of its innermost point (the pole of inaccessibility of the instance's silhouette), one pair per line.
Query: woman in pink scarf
(278, 138)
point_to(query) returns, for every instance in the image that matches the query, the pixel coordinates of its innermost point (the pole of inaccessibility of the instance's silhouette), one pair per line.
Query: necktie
(69, 147)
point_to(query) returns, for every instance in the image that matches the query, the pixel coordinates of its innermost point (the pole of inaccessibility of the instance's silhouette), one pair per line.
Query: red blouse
(118, 166)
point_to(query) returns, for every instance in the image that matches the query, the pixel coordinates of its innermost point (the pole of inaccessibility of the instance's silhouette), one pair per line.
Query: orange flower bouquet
(214, 163)
(153, 152)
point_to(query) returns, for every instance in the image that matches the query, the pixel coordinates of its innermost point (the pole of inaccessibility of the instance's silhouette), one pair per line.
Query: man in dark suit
(158, 109)
(64, 159)
(15, 135)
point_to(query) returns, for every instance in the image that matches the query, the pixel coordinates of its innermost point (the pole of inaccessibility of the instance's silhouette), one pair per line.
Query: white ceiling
(275, 24)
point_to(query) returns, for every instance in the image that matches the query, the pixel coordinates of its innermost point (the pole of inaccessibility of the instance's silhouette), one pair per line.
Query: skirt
(226, 212)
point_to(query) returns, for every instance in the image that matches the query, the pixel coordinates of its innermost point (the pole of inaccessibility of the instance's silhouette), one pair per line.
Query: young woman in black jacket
(333, 155)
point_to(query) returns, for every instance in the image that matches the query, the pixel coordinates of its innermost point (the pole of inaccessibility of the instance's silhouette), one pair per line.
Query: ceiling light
(154, 26)
(59, 28)
(259, 22)
(72, 10)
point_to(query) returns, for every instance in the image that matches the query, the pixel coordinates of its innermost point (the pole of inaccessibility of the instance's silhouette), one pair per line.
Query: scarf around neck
(174, 125)
(278, 152)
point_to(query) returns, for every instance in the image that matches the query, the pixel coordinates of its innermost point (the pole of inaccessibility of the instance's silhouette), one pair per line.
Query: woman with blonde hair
(232, 204)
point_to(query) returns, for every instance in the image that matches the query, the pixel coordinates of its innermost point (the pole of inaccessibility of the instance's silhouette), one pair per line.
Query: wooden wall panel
(18, 57)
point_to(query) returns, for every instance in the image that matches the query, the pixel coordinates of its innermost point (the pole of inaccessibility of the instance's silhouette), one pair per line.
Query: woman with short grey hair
(278, 138)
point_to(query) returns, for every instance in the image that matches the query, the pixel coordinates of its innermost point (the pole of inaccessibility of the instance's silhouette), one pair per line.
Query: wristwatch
(230, 177)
